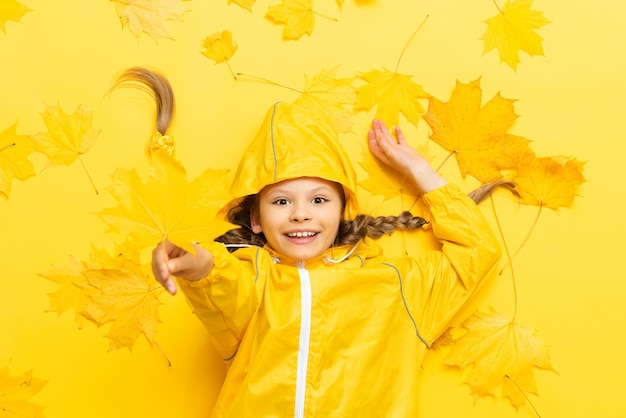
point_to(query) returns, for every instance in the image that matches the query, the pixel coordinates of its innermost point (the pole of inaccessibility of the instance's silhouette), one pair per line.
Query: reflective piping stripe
(417, 332)
(272, 139)
(305, 339)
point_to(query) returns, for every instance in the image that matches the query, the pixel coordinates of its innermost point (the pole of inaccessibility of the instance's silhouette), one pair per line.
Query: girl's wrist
(426, 179)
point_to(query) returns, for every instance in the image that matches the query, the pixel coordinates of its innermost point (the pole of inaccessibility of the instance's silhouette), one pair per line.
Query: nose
(300, 213)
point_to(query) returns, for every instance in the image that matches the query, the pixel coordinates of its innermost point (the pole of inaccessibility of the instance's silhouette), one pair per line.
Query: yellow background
(570, 277)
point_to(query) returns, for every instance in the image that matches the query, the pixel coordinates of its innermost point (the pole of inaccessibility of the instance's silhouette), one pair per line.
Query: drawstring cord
(329, 260)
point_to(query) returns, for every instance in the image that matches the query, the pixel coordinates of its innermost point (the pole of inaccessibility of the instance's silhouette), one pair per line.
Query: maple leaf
(325, 98)
(477, 136)
(124, 293)
(246, 4)
(72, 293)
(165, 206)
(220, 48)
(386, 181)
(502, 355)
(297, 16)
(149, 16)
(393, 93)
(68, 136)
(15, 392)
(11, 10)
(14, 163)
(512, 30)
(549, 181)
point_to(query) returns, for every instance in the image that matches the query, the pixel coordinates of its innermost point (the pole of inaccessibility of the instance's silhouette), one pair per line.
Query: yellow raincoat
(333, 337)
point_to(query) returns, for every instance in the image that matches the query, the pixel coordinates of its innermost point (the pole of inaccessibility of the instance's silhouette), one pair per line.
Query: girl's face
(299, 217)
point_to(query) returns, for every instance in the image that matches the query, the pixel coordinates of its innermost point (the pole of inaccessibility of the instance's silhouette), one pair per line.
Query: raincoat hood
(291, 144)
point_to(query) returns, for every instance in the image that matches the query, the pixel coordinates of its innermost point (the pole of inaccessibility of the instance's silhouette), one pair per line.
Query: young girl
(310, 315)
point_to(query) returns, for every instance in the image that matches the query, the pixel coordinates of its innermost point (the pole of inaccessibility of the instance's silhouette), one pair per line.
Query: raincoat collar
(364, 249)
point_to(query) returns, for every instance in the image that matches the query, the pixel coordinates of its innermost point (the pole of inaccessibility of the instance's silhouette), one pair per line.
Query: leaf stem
(523, 394)
(7, 146)
(334, 19)
(497, 7)
(444, 160)
(508, 255)
(269, 82)
(231, 70)
(530, 231)
(88, 175)
(169, 363)
(409, 42)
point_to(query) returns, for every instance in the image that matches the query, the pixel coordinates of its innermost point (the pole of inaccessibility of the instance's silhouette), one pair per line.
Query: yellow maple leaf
(393, 93)
(72, 292)
(246, 4)
(386, 181)
(68, 136)
(512, 30)
(15, 392)
(297, 16)
(14, 163)
(166, 206)
(149, 16)
(220, 48)
(125, 294)
(549, 181)
(326, 98)
(11, 10)
(477, 136)
(501, 354)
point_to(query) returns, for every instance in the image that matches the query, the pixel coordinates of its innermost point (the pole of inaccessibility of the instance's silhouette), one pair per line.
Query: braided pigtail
(160, 89)
(352, 231)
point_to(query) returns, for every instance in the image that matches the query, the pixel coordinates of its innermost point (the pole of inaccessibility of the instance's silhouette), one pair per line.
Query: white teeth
(301, 234)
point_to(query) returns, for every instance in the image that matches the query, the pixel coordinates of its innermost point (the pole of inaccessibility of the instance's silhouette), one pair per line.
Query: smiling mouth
(303, 234)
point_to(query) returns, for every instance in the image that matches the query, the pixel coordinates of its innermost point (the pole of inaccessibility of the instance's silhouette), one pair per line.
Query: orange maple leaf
(325, 98)
(15, 392)
(502, 355)
(393, 93)
(246, 4)
(149, 16)
(11, 10)
(14, 163)
(512, 30)
(477, 136)
(165, 206)
(549, 181)
(298, 17)
(124, 293)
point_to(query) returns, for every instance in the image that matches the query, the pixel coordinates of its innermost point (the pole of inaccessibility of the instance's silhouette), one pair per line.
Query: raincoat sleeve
(225, 300)
(443, 281)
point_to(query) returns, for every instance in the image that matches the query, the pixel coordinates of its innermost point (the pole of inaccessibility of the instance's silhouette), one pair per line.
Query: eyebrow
(320, 189)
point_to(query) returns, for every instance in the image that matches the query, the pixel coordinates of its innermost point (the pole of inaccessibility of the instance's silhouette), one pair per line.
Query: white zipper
(305, 339)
